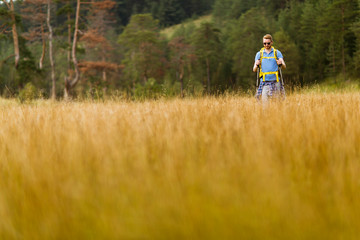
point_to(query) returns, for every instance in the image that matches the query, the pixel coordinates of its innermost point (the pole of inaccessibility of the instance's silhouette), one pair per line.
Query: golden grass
(210, 168)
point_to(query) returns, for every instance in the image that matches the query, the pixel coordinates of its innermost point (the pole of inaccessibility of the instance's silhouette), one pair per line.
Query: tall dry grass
(211, 168)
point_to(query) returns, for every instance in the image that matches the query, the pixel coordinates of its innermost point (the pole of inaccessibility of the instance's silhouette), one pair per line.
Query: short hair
(268, 36)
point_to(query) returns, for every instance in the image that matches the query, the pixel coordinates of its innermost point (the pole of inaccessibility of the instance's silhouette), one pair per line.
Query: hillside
(169, 31)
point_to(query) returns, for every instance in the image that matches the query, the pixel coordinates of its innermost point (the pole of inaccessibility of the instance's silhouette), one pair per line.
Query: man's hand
(256, 65)
(280, 62)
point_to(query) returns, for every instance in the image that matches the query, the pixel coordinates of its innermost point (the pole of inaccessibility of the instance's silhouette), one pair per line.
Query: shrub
(29, 93)
(151, 89)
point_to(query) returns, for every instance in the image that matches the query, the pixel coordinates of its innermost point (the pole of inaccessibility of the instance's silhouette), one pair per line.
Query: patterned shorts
(273, 89)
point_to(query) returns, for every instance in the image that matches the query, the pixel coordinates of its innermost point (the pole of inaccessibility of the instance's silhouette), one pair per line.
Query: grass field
(207, 168)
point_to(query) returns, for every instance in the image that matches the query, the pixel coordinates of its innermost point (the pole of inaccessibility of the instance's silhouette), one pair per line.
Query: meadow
(201, 168)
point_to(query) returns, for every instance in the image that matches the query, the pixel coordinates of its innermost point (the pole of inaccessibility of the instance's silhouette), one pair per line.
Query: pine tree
(68, 10)
(181, 56)
(232, 9)
(313, 42)
(71, 82)
(11, 21)
(207, 43)
(143, 55)
(170, 12)
(33, 12)
(342, 15)
(356, 30)
(245, 41)
(222, 9)
(98, 48)
(289, 19)
(291, 54)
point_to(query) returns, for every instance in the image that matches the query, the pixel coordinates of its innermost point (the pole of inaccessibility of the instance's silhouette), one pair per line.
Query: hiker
(269, 60)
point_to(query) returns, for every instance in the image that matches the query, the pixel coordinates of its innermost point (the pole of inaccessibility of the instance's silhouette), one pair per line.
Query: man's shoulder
(278, 52)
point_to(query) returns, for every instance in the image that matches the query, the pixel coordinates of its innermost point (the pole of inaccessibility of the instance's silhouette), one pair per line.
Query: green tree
(181, 57)
(245, 40)
(185, 31)
(167, 11)
(341, 16)
(11, 19)
(208, 47)
(289, 19)
(170, 12)
(327, 42)
(143, 57)
(68, 10)
(196, 7)
(272, 7)
(230, 9)
(356, 29)
(290, 51)
(98, 48)
(37, 23)
(312, 35)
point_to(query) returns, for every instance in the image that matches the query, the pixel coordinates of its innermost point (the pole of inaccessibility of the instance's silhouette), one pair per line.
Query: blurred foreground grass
(210, 168)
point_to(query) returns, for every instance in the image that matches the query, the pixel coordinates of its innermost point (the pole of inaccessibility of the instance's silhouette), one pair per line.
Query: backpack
(262, 74)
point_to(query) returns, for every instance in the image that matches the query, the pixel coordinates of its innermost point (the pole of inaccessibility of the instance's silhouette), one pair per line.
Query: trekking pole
(257, 77)
(281, 76)
(282, 83)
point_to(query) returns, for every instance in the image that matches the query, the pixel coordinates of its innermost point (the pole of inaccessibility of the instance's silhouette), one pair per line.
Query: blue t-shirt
(269, 65)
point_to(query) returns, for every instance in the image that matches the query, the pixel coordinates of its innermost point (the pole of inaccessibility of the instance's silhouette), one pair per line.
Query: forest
(67, 48)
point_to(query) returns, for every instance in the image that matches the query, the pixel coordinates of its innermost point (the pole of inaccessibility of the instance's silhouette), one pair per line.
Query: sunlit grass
(208, 168)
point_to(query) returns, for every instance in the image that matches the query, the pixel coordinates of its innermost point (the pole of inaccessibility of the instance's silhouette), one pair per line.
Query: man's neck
(268, 50)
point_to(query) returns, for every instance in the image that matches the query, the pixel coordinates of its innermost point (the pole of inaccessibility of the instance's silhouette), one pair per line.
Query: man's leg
(265, 94)
(277, 90)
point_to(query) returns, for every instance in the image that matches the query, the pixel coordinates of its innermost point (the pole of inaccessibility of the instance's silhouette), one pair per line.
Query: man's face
(267, 43)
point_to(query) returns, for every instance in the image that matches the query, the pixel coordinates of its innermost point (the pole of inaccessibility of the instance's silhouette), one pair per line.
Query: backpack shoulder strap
(261, 53)
(261, 57)
(275, 53)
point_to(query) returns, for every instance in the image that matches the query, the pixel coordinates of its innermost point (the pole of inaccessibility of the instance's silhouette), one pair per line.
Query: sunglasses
(267, 43)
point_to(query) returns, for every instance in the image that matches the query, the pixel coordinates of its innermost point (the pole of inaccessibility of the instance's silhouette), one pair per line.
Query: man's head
(267, 41)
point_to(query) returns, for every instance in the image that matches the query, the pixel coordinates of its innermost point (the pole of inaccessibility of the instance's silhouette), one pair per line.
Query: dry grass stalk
(210, 168)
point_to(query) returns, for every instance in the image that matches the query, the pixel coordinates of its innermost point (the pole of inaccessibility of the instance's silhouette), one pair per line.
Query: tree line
(66, 47)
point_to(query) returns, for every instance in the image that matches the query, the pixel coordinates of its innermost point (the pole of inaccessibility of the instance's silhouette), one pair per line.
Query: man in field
(269, 60)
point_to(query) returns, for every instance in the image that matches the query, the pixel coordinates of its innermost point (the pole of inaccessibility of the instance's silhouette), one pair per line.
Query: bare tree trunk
(15, 34)
(41, 61)
(53, 80)
(73, 50)
(69, 75)
(67, 88)
(69, 42)
(71, 84)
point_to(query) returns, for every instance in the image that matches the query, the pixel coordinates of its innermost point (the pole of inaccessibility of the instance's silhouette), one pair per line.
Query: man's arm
(281, 63)
(256, 65)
